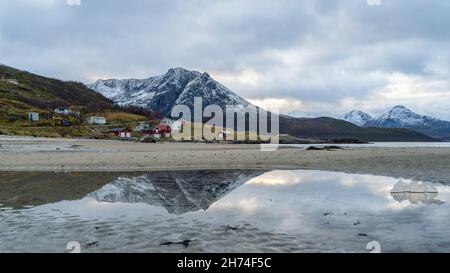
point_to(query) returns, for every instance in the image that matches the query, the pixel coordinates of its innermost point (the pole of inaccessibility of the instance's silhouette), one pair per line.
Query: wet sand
(38, 154)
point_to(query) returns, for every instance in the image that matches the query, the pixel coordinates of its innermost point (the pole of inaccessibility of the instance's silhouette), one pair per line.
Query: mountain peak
(357, 117)
(398, 117)
(402, 117)
(400, 107)
(161, 93)
(181, 74)
(177, 70)
(401, 110)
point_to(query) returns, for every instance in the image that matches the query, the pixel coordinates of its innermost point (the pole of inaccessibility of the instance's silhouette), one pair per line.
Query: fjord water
(219, 211)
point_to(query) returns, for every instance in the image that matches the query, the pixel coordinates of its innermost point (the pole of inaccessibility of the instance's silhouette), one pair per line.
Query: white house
(175, 125)
(145, 125)
(96, 120)
(33, 116)
(65, 111)
(62, 111)
(166, 121)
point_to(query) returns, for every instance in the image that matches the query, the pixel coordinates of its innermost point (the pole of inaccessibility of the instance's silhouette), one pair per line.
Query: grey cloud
(345, 49)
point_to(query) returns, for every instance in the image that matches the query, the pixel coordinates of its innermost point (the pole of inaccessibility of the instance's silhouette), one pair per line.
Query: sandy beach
(40, 154)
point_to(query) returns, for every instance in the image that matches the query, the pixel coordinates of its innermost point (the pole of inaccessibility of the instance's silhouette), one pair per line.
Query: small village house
(175, 125)
(65, 111)
(96, 120)
(164, 130)
(75, 111)
(143, 126)
(62, 111)
(159, 131)
(166, 121)
(33, 116)
(120, 132)
(151, 132)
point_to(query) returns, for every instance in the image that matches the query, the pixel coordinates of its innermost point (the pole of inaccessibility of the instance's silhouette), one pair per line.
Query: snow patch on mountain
(401, 115)
(357, 117)
(211, 91)
(128, 91)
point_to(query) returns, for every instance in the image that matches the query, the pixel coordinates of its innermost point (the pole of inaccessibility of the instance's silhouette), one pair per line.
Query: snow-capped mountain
(399, 116)
(124, 92)
(178, 192)
(402, 117)
(162, 93)
(357, 117)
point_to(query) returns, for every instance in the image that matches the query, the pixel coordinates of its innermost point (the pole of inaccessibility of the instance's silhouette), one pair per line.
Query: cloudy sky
(311, 56)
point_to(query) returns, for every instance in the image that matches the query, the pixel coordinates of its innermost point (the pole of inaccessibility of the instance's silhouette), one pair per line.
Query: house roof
(162, 126)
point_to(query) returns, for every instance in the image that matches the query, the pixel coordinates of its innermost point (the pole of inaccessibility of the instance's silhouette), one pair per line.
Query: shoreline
(73, 155)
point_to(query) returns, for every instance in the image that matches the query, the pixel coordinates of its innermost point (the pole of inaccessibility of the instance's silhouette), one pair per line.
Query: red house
(159, 131)
(120, 132)
(164, 129)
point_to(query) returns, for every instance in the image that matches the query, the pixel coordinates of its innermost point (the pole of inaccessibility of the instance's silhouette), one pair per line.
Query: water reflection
(178, 192)
(416, 198)
(415, 193)
(221, 211)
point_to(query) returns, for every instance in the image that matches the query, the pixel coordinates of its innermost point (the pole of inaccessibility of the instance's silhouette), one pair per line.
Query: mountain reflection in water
(177, 192)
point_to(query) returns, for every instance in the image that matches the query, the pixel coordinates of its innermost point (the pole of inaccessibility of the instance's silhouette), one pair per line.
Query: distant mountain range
(336, 129)
(181, 86)
(402, 117)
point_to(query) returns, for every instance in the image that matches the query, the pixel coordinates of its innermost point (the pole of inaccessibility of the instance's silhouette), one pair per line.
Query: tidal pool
(219, 211)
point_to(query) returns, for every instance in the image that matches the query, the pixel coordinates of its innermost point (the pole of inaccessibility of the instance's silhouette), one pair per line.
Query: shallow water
(219, 211)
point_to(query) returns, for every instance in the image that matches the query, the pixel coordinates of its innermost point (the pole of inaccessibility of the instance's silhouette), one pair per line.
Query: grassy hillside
(329, 128)
(40, 91)
(22, 92)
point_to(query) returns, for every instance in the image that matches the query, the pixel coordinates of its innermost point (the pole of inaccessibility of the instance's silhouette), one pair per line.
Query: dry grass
(121, 117)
